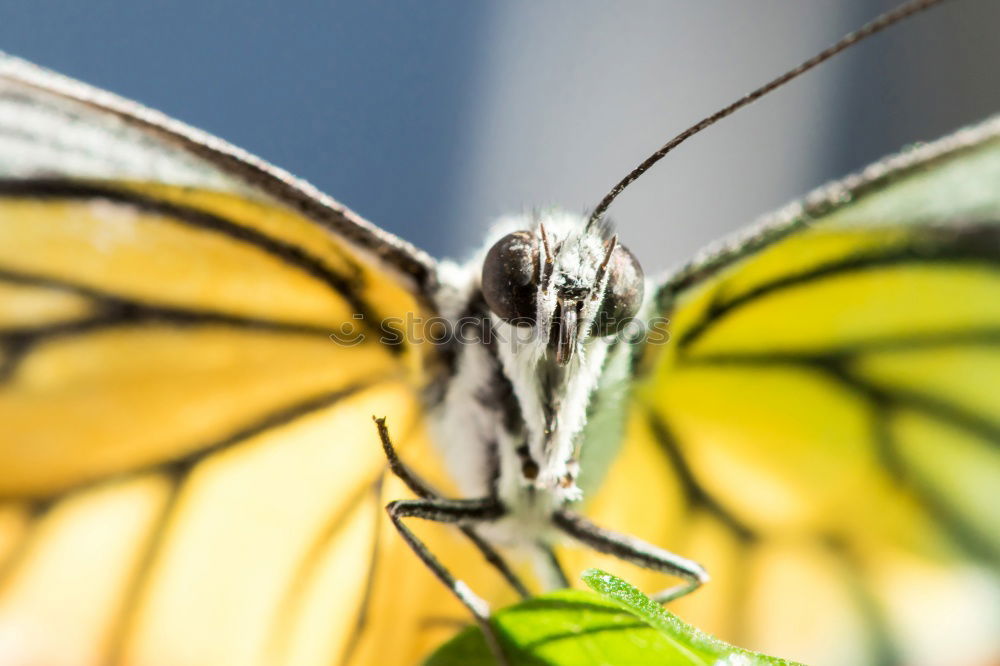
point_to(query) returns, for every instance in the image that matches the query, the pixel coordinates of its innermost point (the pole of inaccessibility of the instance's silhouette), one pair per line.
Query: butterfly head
(559, 290)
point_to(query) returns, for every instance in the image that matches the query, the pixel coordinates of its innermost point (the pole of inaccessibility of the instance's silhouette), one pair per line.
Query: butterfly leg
(454, 512)
(553, 572)
(423, 490)
(634, 550)
(496, 560)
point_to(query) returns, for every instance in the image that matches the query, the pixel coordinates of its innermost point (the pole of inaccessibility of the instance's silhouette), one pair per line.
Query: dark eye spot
(623, 295)
(510, 278)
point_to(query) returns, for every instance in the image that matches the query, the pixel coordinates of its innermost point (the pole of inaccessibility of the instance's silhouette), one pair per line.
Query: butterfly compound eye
(510, 278)
(623, 295)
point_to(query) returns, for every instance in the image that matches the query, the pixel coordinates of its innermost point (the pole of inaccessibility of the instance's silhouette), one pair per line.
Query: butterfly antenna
(896, 15)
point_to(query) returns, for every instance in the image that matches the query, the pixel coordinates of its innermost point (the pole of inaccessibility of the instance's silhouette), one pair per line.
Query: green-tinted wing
(822, 430)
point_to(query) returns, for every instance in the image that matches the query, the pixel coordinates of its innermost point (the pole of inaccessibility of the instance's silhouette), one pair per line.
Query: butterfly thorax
(530, 321)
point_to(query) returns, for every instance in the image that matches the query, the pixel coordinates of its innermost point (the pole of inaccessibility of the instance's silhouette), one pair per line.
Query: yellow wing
(188, 469)
(822, 431)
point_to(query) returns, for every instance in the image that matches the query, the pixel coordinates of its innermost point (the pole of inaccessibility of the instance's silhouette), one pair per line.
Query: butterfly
(193, 342)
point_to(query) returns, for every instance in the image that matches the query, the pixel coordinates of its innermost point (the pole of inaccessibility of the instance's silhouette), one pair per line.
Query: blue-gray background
(433, 117)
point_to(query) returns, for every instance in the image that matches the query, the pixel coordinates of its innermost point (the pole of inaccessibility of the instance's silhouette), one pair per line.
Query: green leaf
(617, 626)
(692, 646)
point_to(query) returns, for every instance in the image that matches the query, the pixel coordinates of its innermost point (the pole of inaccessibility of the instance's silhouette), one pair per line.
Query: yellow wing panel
(80, 408)
(200, 355)
(962, 375)
(956, 468)
(830, 400)
(141, 324)
(379, 283)
(258, 553)
(28, 305)
(893, 292)
(231, 350)
(191, 350)
(71, 578)
(14, 520)
(125, 252)
(241, 529)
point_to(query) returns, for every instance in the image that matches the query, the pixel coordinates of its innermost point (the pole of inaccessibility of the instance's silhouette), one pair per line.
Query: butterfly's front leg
(424, 490)
(463, 513)
(400, 469)
(634, 550)
(454, 512)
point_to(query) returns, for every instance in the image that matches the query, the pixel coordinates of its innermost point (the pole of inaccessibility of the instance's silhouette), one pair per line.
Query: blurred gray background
(433, 117)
